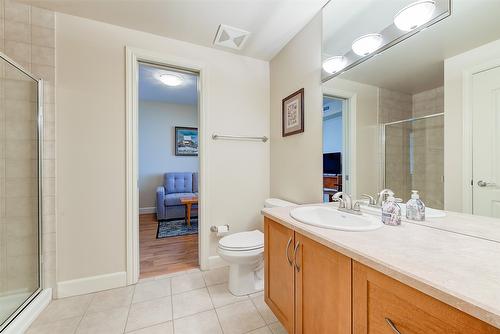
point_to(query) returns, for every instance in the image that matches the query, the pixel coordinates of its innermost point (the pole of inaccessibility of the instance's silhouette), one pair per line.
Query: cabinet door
(279, 279)
(322, 289)
(382, 305)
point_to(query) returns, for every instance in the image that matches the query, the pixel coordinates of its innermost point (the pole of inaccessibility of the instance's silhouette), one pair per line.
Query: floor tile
(240, 318)
(57, 327)
(277, 328)
(165, 328)
(114, 298)
(191, 302)
(216, 276)
(187, 282)
(104, 322)
(264, 310)
(263, 330)
(151, 290)
(201, 323)
(65, 308)
(221, 296)
(149, 313)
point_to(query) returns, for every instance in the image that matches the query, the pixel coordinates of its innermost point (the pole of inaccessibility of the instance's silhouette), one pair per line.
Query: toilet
(244, 251)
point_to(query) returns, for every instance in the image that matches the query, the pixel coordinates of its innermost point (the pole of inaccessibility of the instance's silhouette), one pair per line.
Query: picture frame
(293, 113)
(186, 141)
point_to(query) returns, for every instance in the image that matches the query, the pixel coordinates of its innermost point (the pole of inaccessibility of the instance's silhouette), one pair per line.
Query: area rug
(176, 228)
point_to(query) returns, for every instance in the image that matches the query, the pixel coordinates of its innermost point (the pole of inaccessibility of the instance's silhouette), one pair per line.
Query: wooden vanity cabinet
(308, 285)
(382, 305)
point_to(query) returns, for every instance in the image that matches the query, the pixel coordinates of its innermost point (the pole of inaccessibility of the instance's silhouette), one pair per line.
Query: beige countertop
(460, 270)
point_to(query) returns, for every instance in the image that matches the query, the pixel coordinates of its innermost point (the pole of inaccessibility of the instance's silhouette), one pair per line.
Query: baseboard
(215, 261)
(24, 319)
(147, 210)
(91, 284)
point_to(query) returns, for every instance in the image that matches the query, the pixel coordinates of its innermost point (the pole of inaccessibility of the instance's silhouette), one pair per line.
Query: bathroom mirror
(421, 113)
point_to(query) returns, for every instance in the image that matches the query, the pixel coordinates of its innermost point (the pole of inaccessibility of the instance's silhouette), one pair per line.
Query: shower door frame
(39, 82)
(382, 137)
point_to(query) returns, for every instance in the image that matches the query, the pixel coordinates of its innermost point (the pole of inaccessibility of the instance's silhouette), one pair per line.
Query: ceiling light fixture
(414, 15)
(364, 45)
(334, 64)
(171, 79)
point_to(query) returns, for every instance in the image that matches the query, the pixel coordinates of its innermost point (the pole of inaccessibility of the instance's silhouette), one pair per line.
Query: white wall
(332, 134)
(157, 122)
(91, 140)
(454, 118)
(297, 161)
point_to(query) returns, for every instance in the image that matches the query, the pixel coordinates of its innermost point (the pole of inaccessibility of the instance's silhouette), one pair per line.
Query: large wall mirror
(416, 104)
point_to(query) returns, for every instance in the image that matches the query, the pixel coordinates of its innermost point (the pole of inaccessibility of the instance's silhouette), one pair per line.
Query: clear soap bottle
(391, 212)
(415, 208)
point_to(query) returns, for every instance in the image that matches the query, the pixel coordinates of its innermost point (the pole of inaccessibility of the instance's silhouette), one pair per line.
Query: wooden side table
(188, 202)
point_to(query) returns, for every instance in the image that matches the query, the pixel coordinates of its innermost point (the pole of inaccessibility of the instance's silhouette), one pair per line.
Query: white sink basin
(332, 218)
(429, 212)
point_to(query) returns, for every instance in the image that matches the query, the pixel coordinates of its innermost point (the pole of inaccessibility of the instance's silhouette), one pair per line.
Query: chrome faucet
(346, 204)
(382, 196)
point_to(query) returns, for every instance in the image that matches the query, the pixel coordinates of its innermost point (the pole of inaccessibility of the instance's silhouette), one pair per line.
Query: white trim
(215, 261)
(349, 137)
(91, 284)
(147, 210)
(133, 55)
(467, 145)
(24, 319)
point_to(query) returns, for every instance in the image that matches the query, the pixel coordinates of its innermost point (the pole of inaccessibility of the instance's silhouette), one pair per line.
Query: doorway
(168, 169)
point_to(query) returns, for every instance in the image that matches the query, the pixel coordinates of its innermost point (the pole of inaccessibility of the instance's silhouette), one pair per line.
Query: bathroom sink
(429, 212)
(332, 218)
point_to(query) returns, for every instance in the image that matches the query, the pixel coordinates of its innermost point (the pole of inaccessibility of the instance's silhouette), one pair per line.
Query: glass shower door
(19, 190)
(414, 158)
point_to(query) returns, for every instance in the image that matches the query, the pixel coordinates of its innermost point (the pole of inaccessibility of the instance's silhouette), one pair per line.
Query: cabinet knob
(286, 251)
(393, 326)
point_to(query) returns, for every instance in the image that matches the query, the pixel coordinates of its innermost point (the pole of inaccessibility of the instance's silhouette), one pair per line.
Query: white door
(486, 143)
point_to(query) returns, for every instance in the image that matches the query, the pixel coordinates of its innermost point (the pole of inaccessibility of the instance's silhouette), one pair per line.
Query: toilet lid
(243, 240)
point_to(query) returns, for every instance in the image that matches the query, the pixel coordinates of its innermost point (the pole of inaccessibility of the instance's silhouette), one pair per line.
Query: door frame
(467, 138)
(132, 57)
(349, 138)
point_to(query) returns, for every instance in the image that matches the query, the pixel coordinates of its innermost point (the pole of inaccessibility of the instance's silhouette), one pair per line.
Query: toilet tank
(276, 202)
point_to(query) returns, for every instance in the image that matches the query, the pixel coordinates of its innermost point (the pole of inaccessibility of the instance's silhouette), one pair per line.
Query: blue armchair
(168, 196)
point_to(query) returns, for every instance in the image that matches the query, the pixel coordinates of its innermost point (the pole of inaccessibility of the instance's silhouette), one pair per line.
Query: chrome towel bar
(216, 136)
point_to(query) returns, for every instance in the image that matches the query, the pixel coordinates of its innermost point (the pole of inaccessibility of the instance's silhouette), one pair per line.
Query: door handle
(393, 326)
(286, 251)
(482, 183)
(297, 267)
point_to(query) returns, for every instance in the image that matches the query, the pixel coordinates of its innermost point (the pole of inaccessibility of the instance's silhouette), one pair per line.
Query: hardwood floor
(167, 255)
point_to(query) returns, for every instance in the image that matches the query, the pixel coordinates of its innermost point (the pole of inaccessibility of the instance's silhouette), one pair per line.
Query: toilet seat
(242, 241)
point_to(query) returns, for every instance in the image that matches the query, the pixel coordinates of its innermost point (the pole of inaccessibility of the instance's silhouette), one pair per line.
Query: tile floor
(192, 302)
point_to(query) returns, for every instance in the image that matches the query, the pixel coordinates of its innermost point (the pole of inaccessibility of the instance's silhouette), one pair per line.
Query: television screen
(332, 163)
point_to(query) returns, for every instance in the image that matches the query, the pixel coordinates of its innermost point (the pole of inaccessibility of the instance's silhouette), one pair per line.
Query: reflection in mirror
(421, 114)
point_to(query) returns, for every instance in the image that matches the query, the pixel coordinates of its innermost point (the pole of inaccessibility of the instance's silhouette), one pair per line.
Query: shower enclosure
(414, 158)
(20, 188)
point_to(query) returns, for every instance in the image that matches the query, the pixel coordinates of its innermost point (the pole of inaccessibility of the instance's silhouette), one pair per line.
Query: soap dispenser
(391, 212)
(415, 208)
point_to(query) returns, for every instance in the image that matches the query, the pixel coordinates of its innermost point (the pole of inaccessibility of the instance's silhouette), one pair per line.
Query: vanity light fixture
(414, 15)
(364, 45)
(334, 64)
(171, 80)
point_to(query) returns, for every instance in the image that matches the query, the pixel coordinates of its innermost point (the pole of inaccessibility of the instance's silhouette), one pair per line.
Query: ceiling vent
(230, 37)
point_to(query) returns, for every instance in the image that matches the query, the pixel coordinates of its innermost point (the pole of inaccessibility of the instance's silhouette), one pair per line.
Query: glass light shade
(171, 79)
(367, 44)
(334, 64)
(414, 15)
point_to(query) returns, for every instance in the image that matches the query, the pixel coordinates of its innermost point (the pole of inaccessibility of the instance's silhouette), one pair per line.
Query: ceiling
(272, 23)
(417, 64)
(153, 90)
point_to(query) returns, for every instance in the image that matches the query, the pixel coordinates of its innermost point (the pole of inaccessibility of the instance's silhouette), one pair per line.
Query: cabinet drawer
(379, 299)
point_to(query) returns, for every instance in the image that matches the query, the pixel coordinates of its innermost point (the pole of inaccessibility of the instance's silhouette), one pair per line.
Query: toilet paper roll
(222, 230)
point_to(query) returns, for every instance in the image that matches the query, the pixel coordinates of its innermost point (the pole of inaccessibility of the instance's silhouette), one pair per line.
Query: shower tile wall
(27, 35)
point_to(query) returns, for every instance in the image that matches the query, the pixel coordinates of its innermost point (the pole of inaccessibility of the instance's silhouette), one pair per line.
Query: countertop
(457, 269)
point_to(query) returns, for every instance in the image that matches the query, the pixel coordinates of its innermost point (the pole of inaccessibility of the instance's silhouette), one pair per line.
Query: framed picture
(293, 113)
(186, 141)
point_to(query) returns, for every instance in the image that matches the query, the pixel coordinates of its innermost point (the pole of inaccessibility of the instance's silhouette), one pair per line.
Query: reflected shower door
(414, 159)
(19, 190)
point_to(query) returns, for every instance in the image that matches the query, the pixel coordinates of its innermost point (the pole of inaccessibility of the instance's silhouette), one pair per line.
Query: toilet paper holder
(213, 228)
